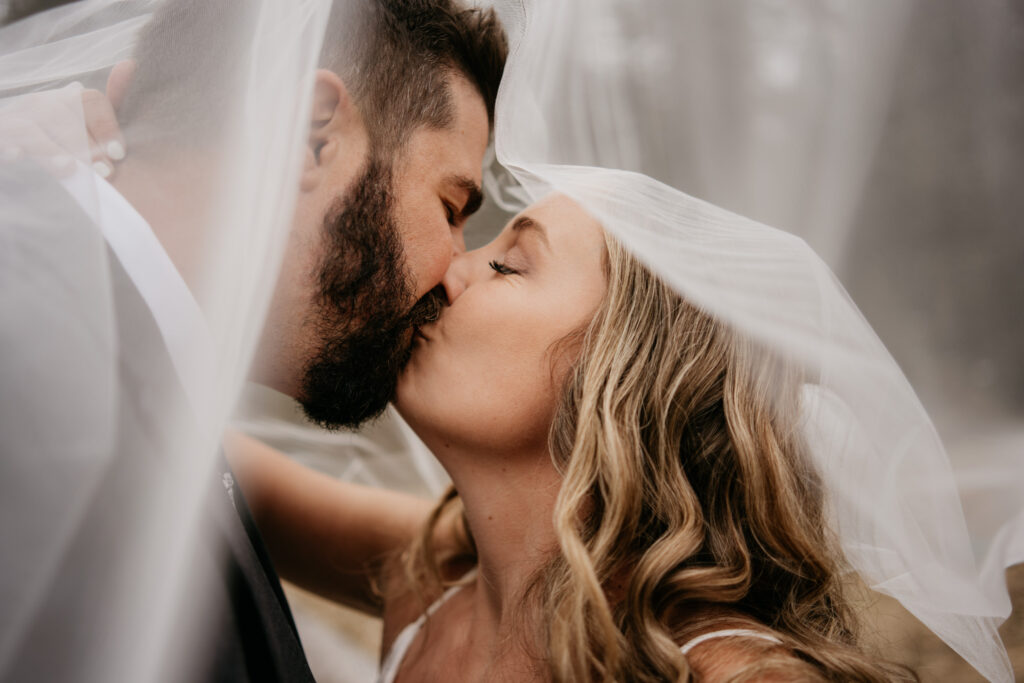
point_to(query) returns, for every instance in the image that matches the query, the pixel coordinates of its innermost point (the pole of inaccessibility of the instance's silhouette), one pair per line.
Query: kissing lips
(426, 311)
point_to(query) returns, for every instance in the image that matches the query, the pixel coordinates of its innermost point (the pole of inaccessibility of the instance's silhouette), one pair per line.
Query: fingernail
(10, 153)
(102, 168)
(115, 150)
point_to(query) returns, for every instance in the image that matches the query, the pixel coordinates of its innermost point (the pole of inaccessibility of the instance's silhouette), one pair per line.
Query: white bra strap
(728, 633)
(393, 660)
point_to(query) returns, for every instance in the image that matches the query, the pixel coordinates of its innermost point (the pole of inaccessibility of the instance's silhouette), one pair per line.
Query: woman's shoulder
(724, 647)
(405, 603)
(749, 658)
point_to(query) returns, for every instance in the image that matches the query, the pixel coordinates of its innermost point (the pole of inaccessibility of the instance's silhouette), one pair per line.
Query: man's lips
(426, 331)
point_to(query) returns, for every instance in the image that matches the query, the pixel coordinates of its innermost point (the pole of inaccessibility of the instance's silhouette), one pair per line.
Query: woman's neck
(509, 503)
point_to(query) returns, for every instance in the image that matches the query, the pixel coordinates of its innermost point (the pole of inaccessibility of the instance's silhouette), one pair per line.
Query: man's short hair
(395, 57)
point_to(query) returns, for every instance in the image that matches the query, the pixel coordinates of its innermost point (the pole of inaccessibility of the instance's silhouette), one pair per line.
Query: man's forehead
(468, 131)
(450, 159)
(451, 155)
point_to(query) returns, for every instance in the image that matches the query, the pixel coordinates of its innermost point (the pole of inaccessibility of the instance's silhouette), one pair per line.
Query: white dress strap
(728, 633)
(389, 669)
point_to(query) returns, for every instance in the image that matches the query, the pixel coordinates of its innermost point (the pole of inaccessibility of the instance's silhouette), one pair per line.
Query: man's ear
(333, 124)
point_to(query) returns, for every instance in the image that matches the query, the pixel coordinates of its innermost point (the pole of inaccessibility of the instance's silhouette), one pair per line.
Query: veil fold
(667, 121)
(111, 418)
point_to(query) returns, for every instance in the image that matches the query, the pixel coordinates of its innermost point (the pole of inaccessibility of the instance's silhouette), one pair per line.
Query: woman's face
(487, 374)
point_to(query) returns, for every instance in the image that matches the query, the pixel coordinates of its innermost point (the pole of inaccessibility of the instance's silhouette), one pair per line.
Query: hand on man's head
(44, 127)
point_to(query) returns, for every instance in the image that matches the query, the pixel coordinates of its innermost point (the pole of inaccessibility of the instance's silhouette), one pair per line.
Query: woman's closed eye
(502, 269)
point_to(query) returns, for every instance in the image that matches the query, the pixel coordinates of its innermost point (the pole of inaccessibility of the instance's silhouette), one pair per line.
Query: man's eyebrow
(528, 223)
(474, 195)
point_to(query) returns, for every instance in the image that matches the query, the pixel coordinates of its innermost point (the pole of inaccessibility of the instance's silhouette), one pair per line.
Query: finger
(118, 81)
(20, 138)
(102, 164)
(104, 168)
(101, 124)
(60, 165)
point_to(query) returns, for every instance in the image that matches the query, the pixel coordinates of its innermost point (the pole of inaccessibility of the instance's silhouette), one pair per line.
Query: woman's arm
(328, 536)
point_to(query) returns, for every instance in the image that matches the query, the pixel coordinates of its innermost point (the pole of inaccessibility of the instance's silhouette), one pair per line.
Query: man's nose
(458, 241)
(465, 269)
(455, 278)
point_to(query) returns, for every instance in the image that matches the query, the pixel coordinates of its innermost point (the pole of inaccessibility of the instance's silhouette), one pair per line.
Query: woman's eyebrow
(527, 223)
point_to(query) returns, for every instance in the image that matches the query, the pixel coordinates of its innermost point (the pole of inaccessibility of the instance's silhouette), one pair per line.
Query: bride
(631, 497)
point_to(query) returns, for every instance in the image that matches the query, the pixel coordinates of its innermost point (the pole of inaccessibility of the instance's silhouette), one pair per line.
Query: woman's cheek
(500, 395)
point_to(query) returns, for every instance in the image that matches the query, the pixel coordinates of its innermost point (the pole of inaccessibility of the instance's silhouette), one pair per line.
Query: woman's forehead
(561, 223)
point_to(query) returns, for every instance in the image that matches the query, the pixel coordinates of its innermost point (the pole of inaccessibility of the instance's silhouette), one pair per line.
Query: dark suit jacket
(81, 383)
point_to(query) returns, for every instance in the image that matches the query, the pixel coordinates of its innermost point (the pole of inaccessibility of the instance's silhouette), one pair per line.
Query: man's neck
(177, 199)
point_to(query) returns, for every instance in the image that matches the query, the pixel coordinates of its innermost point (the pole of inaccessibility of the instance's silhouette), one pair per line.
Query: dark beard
(364, 323)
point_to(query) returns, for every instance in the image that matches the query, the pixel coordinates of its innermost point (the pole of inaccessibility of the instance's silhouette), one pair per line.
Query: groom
(400, 118)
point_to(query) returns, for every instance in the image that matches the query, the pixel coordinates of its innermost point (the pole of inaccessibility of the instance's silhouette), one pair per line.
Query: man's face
(437, 187)
(358, 261)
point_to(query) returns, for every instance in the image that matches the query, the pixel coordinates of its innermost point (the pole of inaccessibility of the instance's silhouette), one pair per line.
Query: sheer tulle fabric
(652, 115)
(644, 112)
(62, 416)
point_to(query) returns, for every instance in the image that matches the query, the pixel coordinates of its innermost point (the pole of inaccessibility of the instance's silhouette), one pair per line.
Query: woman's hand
(45, 127)
(106, 144)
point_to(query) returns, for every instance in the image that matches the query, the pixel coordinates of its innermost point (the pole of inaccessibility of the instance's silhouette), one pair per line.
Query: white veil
(656, 115)
(220, 125)
(653, 115)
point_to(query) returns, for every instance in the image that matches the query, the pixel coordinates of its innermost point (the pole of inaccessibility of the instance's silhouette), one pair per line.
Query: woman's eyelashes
(502, 269)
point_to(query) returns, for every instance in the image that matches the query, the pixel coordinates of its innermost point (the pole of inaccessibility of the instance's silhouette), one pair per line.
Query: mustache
(428, 308)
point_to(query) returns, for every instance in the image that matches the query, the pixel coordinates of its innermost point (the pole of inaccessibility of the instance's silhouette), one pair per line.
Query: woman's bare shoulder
(749, 659)
(404, 603)
(722, 645)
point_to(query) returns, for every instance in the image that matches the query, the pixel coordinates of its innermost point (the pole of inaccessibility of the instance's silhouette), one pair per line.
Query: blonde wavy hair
(687, 504)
